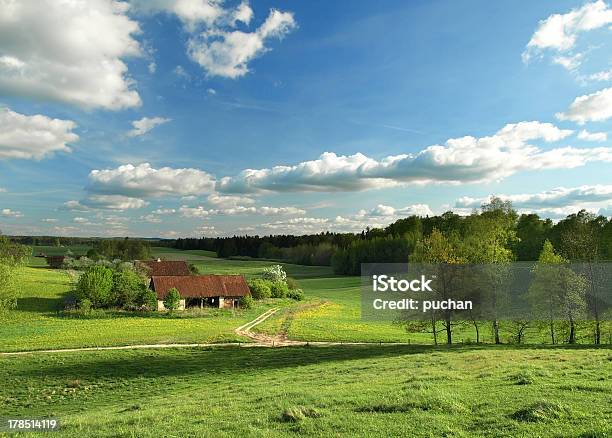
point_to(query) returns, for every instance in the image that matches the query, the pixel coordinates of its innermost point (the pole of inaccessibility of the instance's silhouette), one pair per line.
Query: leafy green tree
(556, 291)
(490, 237)
(444, 254)
(531, 232)
(274, 273)
(260, 288)
(279, 289)
(172, 300)
(96, 285)
(126, 286)
(146, 299)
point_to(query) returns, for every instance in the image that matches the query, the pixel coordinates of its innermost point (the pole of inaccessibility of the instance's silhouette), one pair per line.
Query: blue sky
(168, 117)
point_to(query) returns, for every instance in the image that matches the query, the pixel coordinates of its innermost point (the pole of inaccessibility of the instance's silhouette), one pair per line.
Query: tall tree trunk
(434, 329)
(597, 332)
(552, 331)
(496, 331)
(449, 332)
(572, 334)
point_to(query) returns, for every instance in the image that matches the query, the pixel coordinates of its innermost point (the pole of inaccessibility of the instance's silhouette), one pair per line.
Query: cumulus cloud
(49, 220)
(144, 181)
(559, 32)
(592, 136)
(144, 125)
(557, 202)
(163, 211)
(7, 212)
(387, 211)
(227, 53)
(593, 107)
(459, 160)
(202, 212)
(68, 51)
(222, 201)
(37, 136)
(114, 202)
(215, 43)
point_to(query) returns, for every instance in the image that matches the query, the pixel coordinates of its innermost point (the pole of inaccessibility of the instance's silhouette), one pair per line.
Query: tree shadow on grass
(39, 304)
(226, 361)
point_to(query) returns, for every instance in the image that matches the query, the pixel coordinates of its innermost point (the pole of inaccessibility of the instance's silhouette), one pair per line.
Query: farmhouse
(160, 267)
(222, 291)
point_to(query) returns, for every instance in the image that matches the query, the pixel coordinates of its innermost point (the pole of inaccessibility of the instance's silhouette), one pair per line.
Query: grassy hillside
(37, 325)
(340, 391)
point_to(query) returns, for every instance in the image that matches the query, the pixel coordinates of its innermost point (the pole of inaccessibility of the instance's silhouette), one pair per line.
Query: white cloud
(37, 136)
(151, 218)
(152, 67)
(387, 211)
(163, 211)
(2, 190)
(592, 136)
(143, 181)
(74, 205)
(113, 202)
(228, 201)
(211, 91)
(201, 212)
(144, 125)
(558, 202)
(601, 76)
(181, 72)
(460, 160)
(214, 42)
(559, 32)
(569, 62)
(80, 220)
(49, 220)
(7, 212)
(593, 107)
(227, 53)
(68, 51)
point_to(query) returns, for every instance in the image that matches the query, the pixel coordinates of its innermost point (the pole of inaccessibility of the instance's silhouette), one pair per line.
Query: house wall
(160, 305)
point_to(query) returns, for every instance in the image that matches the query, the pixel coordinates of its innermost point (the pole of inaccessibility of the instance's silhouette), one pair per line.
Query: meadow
(317, 391)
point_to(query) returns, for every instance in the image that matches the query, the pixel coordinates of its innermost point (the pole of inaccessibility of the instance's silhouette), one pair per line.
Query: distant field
(341, 391)
(36, 324)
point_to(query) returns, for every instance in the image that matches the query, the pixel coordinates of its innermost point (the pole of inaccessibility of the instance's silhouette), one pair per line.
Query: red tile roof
(201, 286)
(166, 267)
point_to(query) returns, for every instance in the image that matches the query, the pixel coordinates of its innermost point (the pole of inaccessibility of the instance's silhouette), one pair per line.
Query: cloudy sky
(208, 117)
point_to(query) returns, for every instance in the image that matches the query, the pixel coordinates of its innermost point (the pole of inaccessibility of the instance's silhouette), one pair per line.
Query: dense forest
(580, 236)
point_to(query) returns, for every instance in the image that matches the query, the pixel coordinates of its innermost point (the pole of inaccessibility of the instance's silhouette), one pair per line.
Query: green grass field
(317, 391)
(349, 390)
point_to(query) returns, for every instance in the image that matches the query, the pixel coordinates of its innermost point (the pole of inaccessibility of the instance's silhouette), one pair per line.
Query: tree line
(579, 236)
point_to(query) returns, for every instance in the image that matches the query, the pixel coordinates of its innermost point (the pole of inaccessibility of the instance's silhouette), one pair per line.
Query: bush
(85, 305)
(246, 302)
(172, 300)
(296, 294)
(274, 273)
(260, 289)
(96, 284)
(126, 286)
(146, 299)
(8, 289)
(279, 289)
(292, 283)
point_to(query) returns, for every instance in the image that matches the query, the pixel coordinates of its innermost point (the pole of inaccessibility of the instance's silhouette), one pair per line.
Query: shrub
(279, 289)
(85, 305)
(146, 299)
(246, 302)
(126, 286)
(296, 294)
(260, 289)
(274, 273)
(292, 283)
(193, 269)
(8, 289)
(96, 284)
(172, 300)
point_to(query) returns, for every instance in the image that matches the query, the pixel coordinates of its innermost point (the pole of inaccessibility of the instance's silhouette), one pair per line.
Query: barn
(222, 291)
(160, 267)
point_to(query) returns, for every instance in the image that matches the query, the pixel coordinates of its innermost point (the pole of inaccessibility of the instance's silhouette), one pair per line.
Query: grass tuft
(296, 414)
(541, 412)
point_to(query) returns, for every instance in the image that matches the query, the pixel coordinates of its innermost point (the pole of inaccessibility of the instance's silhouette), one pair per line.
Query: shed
(222, 291)
(55, 261)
